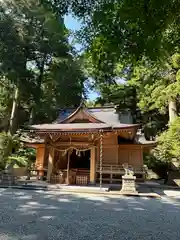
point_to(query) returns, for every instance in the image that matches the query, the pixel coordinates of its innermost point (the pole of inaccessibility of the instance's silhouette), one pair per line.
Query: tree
(169, 143)
(39, 70)
(130, 28)
(13, 57)
(127, 32)
(158, 86)
(66, 81)
(30, 64)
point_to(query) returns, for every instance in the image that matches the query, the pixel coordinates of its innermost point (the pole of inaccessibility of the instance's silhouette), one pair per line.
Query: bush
(157, 166)
(168, 147)
(11, 149)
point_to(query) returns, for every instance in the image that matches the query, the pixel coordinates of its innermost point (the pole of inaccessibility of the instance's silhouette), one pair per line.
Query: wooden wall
(112, 153)
(118, 154)
(110, 149)
(131, 154)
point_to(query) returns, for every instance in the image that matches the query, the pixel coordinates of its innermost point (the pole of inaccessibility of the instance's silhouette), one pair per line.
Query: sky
(73, 24)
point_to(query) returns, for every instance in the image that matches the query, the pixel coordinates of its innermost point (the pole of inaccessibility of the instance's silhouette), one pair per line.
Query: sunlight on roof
(119, 209)
(51, 207)
(63, 200)
(97, 198)
(19, 193)
(47, 217)
(24, 197)
(49, 196)
(33, 203)
(139, 209)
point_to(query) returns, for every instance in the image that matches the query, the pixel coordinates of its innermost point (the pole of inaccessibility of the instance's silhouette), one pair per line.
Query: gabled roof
(107, 114)
(88, 127)
(86, 120)
(81, 113)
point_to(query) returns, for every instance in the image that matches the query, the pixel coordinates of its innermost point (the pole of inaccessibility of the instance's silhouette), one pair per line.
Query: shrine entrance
(79, 166)
(80, 160)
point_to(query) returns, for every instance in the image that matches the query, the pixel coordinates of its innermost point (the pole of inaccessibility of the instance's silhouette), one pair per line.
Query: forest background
(129, 54)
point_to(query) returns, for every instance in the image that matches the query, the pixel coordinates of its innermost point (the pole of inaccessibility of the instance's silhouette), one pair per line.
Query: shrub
(12, 149)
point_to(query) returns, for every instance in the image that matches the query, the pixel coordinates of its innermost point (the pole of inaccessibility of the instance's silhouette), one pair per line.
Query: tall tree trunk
(32, 115)
(172, 110)
(12, 128)
(37, 99)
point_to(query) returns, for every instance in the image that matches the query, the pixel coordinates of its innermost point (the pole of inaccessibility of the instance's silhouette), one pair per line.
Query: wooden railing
(118, 169)
(113, 173)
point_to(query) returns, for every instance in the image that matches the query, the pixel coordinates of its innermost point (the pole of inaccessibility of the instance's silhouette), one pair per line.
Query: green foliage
(119, 94)
(90, 103)
(35, 57)
(130, 28)
(12, 149)
(153, 162)
(24, 157)
(8, 145)
(142, 37)
(176, 60)
(157, 84)
(39, 65)
(5, 98)
(156, 165)
(169, 143)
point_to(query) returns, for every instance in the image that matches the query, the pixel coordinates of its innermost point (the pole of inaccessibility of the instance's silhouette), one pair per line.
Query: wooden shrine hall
(87, 146)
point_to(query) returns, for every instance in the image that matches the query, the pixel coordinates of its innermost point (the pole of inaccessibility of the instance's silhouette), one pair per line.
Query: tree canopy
(131, 54)
(36, 57)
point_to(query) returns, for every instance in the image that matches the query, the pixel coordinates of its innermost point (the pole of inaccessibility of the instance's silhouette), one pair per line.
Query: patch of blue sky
(74, 25)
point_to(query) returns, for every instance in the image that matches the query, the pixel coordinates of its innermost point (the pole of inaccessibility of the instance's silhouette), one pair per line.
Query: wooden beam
(68, 144)
(93, 166)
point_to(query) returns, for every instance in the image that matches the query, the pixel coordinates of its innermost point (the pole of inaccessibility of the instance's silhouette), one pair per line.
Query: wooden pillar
(50, 163)
(93, 166)
(101, 157)
(142, 160)
(68, 155)
(40, 156)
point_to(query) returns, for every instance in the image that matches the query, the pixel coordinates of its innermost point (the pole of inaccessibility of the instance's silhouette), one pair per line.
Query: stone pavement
(51, 215)
(148, 188)
(170, 193)
(107, 189)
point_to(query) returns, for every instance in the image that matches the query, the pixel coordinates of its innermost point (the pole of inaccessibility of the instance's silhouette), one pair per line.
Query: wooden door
(135, 158)
(123, 156)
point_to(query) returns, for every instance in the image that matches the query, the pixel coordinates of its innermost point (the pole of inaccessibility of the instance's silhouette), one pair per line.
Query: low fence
(20, 172)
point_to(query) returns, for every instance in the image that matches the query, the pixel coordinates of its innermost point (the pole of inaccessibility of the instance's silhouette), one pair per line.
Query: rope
(70, 148)
(101, 157)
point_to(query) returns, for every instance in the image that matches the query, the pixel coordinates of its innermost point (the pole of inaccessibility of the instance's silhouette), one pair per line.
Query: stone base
(173, 178)
(92, 183)
(7, 179)
(128, 185)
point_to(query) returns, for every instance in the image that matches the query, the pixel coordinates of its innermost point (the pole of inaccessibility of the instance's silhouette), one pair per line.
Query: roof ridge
(85, 109)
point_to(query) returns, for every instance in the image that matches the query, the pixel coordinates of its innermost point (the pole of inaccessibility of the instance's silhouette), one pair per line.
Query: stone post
(128, 181)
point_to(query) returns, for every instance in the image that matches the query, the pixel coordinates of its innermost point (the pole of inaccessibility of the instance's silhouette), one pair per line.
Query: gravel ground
(42, 215)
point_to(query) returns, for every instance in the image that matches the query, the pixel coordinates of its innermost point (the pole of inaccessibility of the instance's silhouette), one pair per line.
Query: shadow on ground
(41, 215)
